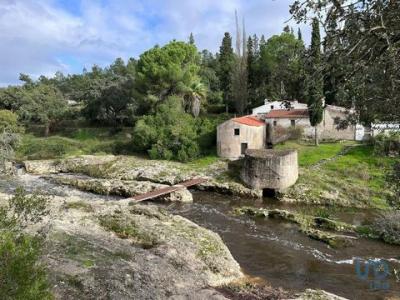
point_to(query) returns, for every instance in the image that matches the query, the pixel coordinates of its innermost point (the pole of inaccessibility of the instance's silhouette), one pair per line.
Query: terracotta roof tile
(284, 113)
(250, 121)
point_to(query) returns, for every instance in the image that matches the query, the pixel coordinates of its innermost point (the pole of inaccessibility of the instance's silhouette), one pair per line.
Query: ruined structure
(270, 170)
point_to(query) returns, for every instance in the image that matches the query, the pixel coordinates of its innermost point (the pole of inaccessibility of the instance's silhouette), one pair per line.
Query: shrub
(47, 148)
(9, 122)
(393, 182)
(21, 274)
(387, 144)
(295, 133)
(388, 227)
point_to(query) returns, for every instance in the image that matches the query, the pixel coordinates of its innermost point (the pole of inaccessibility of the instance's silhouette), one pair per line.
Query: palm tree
(195, 94)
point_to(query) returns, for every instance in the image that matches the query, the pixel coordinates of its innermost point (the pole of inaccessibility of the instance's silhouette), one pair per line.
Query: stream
(275, 250)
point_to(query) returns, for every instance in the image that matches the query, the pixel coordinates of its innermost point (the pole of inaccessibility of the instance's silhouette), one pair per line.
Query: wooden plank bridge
(167, 190)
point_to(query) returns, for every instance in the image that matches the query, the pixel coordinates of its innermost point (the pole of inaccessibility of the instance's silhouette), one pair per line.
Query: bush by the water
(173, 134)
(387, 144)
(388, 227)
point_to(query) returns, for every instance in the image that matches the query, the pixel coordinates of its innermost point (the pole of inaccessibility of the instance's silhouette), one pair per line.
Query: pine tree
(191, 39)
(315, 80)
(226, 63)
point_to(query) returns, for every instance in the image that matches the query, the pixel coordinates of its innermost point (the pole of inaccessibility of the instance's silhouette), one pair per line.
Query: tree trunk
(316, 135)
(46, 129)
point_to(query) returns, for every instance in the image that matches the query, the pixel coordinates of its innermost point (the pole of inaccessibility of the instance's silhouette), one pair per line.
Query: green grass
(203, 162)
(309, 154)
(74, 142)
(358, 176)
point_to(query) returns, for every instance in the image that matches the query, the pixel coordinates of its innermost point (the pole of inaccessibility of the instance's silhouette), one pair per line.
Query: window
(275, 123)
(237, 131)
(272, 107)
(293, 123)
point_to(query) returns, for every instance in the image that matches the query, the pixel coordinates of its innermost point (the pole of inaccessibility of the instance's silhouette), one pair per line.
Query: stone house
(272, 105)
(237, 135)
(327, 129)
(250, 132)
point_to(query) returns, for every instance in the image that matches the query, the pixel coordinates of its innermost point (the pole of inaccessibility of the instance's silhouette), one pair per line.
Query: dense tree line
(354, 65)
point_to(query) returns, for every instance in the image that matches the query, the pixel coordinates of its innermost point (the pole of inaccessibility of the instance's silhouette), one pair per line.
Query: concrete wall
(229, 145)
(270, 169)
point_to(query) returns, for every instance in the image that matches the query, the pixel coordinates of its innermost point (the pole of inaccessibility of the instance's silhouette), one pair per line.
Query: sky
(41, 37)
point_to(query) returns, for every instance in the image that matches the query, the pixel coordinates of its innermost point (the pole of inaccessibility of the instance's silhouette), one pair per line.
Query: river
(274, 250)
(277, 252)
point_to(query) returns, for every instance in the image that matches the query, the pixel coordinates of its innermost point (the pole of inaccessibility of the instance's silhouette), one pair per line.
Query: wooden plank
(167, 190)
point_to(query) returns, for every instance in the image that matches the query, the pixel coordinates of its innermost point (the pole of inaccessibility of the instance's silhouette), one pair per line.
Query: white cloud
(40, 37)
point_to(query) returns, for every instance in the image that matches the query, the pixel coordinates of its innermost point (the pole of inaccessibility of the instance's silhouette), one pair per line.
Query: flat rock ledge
(123, 188)
(135, 169)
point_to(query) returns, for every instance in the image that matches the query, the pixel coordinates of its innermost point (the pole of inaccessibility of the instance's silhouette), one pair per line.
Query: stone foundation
(270, 169)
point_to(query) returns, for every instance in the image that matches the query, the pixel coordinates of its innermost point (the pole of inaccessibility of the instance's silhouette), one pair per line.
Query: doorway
(244, 148)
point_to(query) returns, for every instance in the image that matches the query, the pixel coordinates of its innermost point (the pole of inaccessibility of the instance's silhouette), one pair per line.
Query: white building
(272, 105)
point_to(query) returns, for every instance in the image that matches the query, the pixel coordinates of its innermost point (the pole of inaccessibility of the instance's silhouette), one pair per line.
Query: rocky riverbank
(99, 247)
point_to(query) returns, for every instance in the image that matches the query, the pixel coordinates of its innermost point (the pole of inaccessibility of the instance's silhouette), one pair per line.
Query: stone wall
(270, 169)
(326, 129)
(229, 144)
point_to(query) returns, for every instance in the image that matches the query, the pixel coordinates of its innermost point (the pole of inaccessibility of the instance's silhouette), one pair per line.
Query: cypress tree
(315, 80)
(299, 35)
(226, 64)
(191, 39)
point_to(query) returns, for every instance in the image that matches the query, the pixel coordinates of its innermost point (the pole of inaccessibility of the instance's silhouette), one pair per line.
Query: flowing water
(275, 250)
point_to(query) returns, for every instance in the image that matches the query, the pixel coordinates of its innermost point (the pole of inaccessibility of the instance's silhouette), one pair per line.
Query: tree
(366, 52)
(315, 81)
(281, 64)
(114, 104)
(239, 75)
(191, 39)
(166, 71)
(9, 136)
(226, 63)
(208, 74)
(194, 96)
(299, 34)
(168, 134)
(43, 104)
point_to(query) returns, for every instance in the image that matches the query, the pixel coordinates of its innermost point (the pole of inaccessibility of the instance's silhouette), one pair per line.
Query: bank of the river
(103, 247)
(338, 174)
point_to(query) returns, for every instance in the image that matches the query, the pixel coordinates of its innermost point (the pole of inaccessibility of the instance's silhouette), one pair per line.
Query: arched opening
(269, 193)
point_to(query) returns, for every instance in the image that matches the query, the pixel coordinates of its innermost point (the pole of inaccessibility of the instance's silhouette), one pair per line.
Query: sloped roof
(249, 121)
(285, 113)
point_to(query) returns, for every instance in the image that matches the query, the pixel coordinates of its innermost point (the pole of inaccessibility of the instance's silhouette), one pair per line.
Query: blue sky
(44, 36)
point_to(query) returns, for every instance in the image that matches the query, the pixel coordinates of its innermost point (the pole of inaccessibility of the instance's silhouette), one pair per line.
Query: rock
(333, 240)
(182, 195)
(123, 188)
(309, 225)
(159, 255)
(310, 294)
(41, 167)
